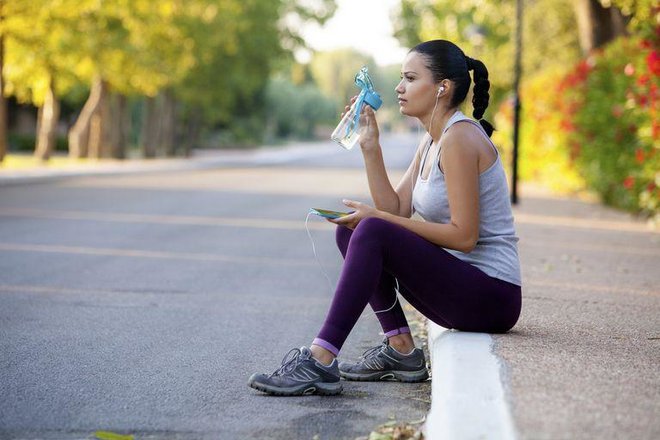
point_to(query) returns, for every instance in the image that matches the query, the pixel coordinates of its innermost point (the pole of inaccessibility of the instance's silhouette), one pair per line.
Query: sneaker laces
(374, 351)
(290, 361)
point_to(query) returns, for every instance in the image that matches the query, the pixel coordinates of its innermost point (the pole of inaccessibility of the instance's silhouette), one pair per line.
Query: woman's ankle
(403, 343)
(324, 356)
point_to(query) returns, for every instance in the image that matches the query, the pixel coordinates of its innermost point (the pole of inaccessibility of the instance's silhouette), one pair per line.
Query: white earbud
(440, 90)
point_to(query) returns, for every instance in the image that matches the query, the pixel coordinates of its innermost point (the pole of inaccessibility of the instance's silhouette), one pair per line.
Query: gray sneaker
(300, 374)
(385, 363)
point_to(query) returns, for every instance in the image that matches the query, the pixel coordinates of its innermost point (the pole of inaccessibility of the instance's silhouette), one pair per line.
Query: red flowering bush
(610, 107)
(595, 126)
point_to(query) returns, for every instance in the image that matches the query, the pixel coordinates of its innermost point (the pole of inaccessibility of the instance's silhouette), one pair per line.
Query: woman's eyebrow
(409, 72)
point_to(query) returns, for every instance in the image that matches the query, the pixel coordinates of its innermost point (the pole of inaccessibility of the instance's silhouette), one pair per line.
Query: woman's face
(416, 91)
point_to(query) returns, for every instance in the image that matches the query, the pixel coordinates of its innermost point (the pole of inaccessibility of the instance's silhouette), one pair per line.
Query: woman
(459, 267)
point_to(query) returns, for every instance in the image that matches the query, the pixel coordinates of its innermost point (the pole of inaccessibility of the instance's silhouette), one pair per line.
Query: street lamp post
(516, 101)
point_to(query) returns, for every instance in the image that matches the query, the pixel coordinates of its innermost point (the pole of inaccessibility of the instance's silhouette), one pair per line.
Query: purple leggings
(445, 289)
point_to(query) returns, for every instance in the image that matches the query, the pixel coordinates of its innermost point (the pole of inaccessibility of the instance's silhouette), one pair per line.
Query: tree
(227, 87)
(484, 29)
(131, 48)
(334, 72)
(598, 23)
(33, 35)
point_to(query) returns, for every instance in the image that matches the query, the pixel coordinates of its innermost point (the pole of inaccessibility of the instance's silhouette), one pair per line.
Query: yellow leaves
(107, 435)
(209, 14)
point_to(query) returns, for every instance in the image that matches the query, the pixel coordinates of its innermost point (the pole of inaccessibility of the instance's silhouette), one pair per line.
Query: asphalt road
(140, 304)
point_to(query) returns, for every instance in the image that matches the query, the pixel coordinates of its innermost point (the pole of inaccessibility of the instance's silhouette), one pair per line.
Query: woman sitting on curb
(459, 267)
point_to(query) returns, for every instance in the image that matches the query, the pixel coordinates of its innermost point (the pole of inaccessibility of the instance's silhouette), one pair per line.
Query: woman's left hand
(360, 212)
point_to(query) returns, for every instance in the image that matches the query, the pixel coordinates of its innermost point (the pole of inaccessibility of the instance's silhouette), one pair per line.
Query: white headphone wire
(327, 277)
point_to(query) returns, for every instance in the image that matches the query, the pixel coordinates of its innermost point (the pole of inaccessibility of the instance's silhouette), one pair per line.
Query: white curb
(467, 398)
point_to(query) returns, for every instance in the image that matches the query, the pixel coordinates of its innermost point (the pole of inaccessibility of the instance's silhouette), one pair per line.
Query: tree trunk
(79, 133)
(597, 25)
(3, 101)
(49, 115)
(120, 126)
(99, 125)
(168, 123)
(149, 130)
(193, 129)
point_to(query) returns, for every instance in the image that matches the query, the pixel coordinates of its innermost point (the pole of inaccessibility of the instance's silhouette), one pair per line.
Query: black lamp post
(516, 101)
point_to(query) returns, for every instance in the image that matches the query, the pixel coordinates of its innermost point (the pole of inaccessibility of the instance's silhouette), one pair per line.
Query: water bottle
(347, 132)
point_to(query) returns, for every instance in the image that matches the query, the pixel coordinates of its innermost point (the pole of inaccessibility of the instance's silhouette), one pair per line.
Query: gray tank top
(496, 252)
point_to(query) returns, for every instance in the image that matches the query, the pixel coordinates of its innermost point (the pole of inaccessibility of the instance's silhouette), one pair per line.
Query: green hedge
(595, 125)
(610, 109)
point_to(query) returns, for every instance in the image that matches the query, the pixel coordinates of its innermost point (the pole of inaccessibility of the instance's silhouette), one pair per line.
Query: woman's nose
(399, 87)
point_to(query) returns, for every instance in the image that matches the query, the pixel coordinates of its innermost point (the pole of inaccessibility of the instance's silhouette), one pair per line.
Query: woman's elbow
(468, 244)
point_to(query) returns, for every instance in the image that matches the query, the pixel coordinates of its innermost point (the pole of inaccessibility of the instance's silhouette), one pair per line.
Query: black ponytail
(447, 61)
(480, 95)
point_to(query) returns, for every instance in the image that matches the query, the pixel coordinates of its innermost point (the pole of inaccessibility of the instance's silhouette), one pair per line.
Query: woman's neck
(435, 122)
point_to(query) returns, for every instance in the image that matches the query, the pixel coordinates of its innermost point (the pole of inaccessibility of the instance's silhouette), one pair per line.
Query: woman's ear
(442, 87)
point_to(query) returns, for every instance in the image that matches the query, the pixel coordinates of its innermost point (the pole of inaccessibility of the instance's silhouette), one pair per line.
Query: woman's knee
(373, 227)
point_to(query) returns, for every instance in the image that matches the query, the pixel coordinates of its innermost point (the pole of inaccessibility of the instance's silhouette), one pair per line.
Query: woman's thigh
(446, 288)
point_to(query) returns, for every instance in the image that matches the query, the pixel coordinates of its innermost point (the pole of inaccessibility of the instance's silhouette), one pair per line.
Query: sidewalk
(201, 159)
(582, 362)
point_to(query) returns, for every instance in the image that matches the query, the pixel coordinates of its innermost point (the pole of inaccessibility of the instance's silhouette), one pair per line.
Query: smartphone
(327, 213)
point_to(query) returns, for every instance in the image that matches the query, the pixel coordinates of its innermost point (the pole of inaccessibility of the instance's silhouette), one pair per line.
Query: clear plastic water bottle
(347, 132)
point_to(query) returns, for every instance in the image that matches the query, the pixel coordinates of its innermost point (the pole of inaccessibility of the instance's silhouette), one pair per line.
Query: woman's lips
(402, 101)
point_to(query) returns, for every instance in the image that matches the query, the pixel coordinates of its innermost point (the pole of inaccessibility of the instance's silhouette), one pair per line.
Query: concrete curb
(467, 396)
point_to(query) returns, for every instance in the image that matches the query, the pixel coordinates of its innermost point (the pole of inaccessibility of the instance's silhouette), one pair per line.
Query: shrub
(595, 125)
(610, 111)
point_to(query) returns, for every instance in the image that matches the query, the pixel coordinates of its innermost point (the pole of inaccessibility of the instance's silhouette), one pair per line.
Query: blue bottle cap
(373, 99)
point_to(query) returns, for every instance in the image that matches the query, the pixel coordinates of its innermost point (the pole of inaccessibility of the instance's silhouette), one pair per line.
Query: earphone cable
(327, 277)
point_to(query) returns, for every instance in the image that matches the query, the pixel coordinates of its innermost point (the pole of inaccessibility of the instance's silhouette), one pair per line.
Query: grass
(15, 162)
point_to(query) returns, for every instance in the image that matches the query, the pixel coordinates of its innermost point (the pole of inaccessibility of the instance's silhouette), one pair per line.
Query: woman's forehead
(414, 62)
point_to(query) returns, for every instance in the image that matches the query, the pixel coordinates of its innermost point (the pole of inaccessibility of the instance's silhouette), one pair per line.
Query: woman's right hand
(369, 133)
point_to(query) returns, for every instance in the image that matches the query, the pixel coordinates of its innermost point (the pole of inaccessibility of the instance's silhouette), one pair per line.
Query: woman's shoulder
(466, 136)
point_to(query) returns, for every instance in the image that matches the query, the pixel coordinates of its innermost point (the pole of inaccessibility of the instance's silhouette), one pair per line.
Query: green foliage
(216, 55)
(543, 156)
(611, 116)
(642, 13)
(228, 82)
(595, 125)
(295, 111)
(136, 46)
(485, 29)
(334, 71)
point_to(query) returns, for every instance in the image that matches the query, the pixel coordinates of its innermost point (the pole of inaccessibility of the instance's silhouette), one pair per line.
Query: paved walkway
(582, 363)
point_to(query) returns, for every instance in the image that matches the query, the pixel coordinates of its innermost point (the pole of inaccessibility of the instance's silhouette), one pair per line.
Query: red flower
(639, 155)
(629, 182)
(642, 100)
(567, 125)
(653, 62)
(645, 44)
(642, 80)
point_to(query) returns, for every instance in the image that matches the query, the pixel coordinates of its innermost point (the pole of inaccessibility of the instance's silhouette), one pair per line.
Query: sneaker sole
(390, 375)
(321, 388)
